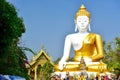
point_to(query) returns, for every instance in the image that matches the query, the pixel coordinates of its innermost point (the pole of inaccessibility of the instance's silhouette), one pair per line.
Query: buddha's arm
(99, 48)
(67, 47)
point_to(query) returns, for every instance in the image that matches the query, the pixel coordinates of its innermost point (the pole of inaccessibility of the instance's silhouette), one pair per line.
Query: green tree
(112, 55)
(46, 71)
(11, 28)
(117, 57)
(57, 60)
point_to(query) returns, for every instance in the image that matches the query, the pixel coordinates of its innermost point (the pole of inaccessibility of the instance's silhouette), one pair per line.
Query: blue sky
(47, 22)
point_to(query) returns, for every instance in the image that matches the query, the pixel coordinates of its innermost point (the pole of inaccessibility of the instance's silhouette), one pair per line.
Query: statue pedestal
(81, 71)
(78, 74)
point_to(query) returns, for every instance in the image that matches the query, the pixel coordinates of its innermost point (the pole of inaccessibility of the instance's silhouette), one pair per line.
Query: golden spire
(82, 6)
(82, 12)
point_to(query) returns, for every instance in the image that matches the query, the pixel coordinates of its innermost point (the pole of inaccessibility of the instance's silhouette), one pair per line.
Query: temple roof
(36, 58)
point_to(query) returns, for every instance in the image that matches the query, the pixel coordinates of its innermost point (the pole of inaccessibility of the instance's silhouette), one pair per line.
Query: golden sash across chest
(88, 49)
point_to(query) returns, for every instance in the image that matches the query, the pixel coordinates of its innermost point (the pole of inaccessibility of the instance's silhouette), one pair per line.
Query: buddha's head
(82, 19)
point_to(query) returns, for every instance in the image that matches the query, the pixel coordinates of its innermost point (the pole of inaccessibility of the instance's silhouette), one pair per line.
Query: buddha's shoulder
(75, 35)
(95, 34)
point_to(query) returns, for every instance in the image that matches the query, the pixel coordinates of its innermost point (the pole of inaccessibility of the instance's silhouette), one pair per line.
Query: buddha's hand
(62, 64)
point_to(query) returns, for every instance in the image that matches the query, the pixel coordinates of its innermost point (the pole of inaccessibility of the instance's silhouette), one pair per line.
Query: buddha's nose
(82, 23)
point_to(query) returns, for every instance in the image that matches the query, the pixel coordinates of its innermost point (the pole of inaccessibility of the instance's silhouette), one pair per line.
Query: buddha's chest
(78, 41)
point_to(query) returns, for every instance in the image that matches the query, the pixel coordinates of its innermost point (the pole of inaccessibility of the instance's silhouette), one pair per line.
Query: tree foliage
(112, 55)
(57, 60)
(46, 71)
(11, 29)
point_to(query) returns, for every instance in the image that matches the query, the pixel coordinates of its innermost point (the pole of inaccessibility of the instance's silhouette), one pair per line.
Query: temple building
(38, 62)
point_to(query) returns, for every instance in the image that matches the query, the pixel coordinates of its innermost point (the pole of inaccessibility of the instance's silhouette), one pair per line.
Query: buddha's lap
(73, 66)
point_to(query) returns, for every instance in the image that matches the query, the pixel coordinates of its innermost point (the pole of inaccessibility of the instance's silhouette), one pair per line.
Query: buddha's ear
(89, 28)
(89, 25)
(75, 25)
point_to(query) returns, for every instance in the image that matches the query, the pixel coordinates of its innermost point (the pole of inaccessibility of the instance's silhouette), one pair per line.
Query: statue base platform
(82, 71)
(79, 73)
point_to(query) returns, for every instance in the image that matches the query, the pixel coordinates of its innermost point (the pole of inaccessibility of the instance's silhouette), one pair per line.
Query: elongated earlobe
(89, 28)
(75, 27)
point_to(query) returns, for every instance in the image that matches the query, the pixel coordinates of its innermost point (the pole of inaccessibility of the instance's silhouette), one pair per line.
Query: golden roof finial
(82, 12)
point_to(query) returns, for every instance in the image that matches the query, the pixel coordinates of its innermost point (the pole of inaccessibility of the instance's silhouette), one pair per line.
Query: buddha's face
(82, 23)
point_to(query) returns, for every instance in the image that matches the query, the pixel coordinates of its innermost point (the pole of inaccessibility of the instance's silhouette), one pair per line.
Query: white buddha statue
(86, 45)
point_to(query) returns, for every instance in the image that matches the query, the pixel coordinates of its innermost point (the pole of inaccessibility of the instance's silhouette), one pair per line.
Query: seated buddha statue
(86, 45)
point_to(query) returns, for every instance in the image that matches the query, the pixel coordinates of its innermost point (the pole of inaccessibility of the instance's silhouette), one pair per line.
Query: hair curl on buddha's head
(82, 12)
